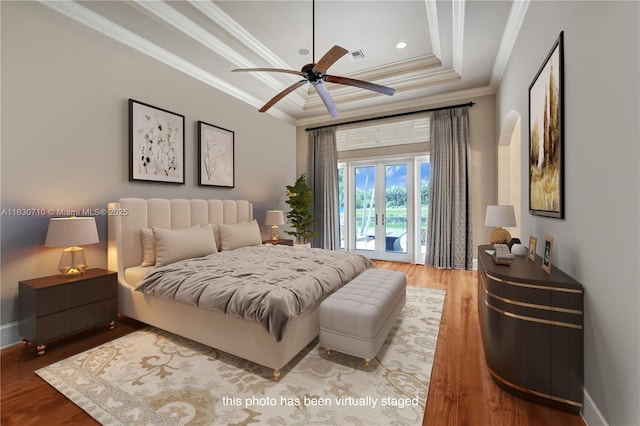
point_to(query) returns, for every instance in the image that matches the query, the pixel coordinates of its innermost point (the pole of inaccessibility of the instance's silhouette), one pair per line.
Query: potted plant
(299, 198)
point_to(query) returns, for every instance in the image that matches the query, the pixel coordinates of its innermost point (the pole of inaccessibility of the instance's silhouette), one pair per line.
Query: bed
(130, 218)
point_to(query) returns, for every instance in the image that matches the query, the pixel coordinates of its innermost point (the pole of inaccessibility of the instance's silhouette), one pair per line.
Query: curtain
(449, 241)
(322, 178)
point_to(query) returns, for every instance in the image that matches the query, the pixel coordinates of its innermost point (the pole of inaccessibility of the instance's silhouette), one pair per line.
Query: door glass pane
(424, 205)
(364, 203)
(395, 218)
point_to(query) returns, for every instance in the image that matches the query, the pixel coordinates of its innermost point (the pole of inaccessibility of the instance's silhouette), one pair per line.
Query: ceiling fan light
(401, 45)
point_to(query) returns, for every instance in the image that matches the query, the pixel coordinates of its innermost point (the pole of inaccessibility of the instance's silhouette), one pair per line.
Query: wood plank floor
(461, 391)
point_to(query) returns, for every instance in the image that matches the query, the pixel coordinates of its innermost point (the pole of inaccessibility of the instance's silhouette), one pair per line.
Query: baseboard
(590, 413)
(9, 335)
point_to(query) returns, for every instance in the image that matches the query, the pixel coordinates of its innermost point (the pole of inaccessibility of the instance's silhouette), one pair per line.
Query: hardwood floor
(461, 390)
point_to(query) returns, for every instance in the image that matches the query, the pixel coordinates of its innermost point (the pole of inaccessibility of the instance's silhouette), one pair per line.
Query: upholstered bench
(357, 318)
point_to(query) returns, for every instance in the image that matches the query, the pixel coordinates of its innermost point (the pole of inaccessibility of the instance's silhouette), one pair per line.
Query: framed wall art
(156, 144)
(533, 241)
(546, 254)
(546, 139)
(215, 156)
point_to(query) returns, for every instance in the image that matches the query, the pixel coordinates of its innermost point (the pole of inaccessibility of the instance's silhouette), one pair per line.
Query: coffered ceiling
(454, 49)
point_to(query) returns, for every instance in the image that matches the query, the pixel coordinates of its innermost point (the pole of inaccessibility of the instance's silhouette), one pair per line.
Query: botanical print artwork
(157, 144)
(545, 121)
(216, 155)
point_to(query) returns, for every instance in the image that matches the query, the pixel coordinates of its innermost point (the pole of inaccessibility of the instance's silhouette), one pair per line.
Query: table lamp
(500, 216)
(274, 218)
(71, 232)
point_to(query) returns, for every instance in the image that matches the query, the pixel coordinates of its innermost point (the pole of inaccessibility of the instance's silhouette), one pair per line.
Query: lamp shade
(71, 231)
(503, 216)
(274, 217)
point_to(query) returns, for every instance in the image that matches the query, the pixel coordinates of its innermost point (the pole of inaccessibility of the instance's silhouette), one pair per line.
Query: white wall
(598, 241)
(65, 135)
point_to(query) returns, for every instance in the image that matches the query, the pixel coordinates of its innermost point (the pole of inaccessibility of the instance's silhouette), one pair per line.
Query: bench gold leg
(367, 362)
(276, 374)
(328, 351)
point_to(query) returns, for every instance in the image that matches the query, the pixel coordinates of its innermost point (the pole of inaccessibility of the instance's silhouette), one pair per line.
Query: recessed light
(401, 45)
(303, 51)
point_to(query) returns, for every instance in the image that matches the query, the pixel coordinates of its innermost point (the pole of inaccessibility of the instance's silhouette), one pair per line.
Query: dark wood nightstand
(57, 306)
(280, 241)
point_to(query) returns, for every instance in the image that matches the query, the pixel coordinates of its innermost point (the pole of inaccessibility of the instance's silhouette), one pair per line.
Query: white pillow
(148, 247)
(183, 243)
(233, 236)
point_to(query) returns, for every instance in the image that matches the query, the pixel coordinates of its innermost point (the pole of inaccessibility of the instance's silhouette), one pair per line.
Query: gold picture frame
(533, 241)
(546, 254)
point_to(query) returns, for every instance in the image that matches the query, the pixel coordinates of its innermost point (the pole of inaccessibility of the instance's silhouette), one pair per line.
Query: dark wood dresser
(56, 306)
(532, 330)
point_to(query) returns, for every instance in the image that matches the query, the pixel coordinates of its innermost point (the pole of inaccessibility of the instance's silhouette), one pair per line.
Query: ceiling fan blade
(281, 95)
(329, 58)
(300, 73)
(359, 83)
(326, 98)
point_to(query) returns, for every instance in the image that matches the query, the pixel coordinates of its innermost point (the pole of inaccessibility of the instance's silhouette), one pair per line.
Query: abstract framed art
(156, 144)
(546, 138)
(216, 156)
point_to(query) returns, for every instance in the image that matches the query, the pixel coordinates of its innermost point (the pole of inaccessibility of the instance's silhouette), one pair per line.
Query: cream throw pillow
(183, 243)
(233, 236)
(148, 247)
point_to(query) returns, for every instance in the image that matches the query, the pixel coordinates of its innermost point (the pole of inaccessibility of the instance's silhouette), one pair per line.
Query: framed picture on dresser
(533, 241)
(546, 254)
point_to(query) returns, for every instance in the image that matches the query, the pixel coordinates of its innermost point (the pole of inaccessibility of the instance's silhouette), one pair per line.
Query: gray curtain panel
(449, 242)
(322, 178)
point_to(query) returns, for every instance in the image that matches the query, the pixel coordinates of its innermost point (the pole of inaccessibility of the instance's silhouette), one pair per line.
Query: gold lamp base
(500, 236)
(73, 261)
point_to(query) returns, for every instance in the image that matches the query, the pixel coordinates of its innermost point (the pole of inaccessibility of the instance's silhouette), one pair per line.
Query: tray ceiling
(455, 50)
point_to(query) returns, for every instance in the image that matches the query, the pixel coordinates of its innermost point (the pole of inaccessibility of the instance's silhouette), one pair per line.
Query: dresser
(57, 306)
(532, 330)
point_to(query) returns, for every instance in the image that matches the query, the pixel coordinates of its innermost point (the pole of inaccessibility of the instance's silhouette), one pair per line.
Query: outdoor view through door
(383, 206)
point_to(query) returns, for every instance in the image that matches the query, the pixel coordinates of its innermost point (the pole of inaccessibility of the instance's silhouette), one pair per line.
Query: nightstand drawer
(57, 306)
(66, 296)
(70, 321)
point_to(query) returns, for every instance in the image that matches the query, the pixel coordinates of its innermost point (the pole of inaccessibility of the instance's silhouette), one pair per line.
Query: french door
(378, 217)
(383, 207)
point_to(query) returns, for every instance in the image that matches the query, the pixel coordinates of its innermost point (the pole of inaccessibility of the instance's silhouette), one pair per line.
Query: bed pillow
(183, 243)
(148, 247)
(233, 236)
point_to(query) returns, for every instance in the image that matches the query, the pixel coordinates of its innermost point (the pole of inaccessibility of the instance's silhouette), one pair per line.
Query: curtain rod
(468, 104)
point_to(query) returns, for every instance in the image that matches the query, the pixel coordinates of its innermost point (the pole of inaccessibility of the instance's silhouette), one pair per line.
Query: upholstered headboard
(128, 215)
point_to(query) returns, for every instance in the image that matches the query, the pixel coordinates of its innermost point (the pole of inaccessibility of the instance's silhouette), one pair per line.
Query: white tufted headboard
(128, 215)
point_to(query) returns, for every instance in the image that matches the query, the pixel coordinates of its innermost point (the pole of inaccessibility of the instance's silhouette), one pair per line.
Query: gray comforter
(270, 284)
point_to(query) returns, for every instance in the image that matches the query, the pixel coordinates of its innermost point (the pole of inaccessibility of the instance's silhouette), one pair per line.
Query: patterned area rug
(152, 377)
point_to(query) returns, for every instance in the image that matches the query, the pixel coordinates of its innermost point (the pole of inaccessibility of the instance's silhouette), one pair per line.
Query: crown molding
(457, 37)
(96, 22)
(512, 29)
(185, 25)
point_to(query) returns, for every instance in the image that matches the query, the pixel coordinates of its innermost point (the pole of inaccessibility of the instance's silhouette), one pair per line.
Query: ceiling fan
(315, 73)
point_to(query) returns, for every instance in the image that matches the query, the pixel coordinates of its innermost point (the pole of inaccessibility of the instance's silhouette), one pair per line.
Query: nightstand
(57, 306)
(280, 241)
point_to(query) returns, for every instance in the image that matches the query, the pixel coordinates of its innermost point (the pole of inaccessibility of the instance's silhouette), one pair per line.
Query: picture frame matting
(216, 156)
(156, 144)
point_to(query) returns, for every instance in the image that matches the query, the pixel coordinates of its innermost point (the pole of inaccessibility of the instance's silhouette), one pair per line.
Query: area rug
(151, 377)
